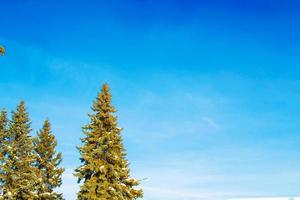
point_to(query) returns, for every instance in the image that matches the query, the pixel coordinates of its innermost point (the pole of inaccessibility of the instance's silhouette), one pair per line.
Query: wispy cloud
(211, 122)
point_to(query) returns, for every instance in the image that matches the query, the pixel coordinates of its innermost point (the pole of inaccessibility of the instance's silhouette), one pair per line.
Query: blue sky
(208, 92)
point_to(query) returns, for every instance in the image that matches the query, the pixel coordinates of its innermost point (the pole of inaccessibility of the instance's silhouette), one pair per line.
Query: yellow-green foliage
(29, 167)
(19, 171)
(47, 163)
(104, 172)
(3, 144)
(2, 50)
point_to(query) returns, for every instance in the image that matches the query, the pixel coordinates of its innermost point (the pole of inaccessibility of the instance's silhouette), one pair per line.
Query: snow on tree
(20, 173)
(105, 172)
(47, 164)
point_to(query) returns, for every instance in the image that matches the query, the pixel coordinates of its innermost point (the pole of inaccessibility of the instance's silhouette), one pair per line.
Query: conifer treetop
(47, 163)
(21, 117)
(21, 175)
(105, 169)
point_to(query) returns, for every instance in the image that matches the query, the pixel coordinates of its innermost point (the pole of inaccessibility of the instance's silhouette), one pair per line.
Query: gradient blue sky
(208, 92)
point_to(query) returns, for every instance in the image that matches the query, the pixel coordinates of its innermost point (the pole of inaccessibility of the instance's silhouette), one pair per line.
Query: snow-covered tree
(47, 164)
(105, 171)
(20, 173)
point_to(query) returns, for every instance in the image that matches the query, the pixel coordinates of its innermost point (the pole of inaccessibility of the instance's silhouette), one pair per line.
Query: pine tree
(104, 172)
(3, 144)
(2, 50)
(20, 173)
(47, 163)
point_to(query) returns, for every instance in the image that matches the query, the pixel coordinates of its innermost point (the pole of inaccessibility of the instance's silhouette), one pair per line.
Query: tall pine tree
(47, 164)
(104, 172)
(20, 173)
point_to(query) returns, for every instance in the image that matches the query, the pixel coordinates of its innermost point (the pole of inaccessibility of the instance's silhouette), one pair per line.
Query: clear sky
(208, 92)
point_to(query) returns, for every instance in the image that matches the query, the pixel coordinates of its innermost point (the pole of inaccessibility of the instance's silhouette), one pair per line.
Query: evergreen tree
(104, 172)
(3, 144)
(20, 174)
(2, 50)
(47, 164)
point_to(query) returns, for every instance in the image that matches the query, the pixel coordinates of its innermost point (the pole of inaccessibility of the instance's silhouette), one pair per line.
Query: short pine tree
(3, 145)
(20, 174)
(104, 172)
(47, 164)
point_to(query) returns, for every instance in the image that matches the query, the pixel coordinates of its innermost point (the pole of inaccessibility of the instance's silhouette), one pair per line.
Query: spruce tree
(20, 174)
(105, 171)
(47, 164)
(3, 145)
